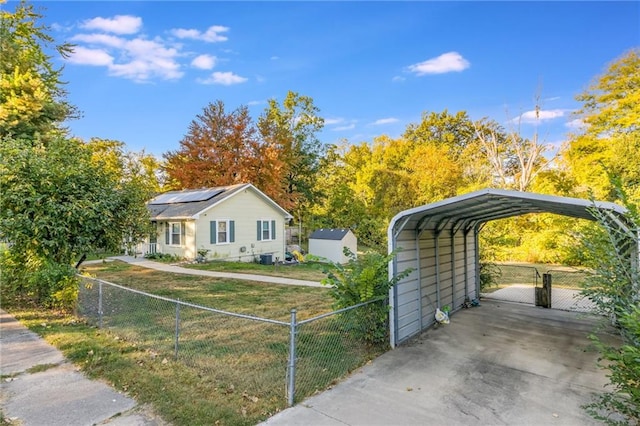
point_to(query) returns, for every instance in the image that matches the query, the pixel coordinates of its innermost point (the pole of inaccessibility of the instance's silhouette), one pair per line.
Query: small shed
(330, 243)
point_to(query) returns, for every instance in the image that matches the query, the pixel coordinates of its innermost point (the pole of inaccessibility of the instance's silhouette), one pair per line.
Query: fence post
(177, 333)
(292, 359)
(99, 304)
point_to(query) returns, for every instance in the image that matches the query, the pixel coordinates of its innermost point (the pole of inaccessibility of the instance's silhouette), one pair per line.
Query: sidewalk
(141, 261)
(59, 395)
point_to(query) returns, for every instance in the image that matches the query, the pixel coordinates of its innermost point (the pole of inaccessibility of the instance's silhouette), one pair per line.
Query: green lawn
(229, 371)
(531, 273)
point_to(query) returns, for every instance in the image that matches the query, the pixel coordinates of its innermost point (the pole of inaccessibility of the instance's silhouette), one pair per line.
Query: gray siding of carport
(441, 238)
(416, 297)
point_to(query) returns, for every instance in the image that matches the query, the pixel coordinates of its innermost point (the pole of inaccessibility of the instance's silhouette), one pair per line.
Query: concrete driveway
(500, 363)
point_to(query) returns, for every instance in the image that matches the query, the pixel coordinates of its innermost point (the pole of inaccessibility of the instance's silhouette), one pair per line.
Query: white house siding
(187, 248)
(333, 250)
(245, 208)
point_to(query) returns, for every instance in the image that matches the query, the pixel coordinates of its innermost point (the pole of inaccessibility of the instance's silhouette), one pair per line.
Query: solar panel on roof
(186, 196)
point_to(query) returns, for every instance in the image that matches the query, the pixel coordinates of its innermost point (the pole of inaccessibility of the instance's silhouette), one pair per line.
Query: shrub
(615, 290)
(362, 279)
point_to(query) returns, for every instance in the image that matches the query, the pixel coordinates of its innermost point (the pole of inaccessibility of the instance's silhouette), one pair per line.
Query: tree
(32, 98)
(515, 161)
(609, 141)
(61, 197)
(290, 129)
(220, 148)
(454, 132)
(52, 215)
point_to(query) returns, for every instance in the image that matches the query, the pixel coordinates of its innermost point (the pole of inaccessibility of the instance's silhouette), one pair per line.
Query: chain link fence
(517, 283)
(273, 361)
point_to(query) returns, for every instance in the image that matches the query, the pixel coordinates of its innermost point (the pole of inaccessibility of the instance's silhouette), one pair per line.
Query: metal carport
(439, 242)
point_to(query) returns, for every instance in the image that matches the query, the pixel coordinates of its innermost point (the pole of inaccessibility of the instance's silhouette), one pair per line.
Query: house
(330, 243)
(237, 222)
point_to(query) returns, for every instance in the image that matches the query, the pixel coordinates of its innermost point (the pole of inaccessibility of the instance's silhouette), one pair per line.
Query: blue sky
(142, 71)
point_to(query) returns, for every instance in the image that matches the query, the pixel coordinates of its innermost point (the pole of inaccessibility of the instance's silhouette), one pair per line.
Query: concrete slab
(62, 396)
(500, 363)
(21, 349)
(59, 395)
(144, 263)
(561, 298)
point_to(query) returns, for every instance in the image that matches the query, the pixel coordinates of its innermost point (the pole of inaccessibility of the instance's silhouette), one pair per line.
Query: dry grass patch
(228, 370)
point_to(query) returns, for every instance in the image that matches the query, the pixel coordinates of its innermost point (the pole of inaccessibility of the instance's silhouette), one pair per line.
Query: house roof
(189, 204)
(329, 234)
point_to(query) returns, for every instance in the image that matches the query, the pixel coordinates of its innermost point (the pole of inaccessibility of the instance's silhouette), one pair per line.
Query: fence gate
(526, 284)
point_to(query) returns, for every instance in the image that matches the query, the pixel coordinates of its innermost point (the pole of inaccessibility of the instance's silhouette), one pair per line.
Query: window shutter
(259, 230)
(166, 233)
(273, 229)
(232, 231)
(183, 233)
(213, 232)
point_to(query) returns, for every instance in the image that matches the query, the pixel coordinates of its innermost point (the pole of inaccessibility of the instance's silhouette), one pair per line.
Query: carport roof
(469, 210)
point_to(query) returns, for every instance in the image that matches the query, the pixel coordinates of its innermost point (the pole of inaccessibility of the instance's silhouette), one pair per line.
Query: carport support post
(291, 388)
(476, 249)
(466, 266)
(453, 270)
(437, 256)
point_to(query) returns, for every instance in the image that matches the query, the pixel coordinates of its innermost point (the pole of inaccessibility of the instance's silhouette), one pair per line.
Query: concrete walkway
(498, 364)
(141, 261)
(57, 394)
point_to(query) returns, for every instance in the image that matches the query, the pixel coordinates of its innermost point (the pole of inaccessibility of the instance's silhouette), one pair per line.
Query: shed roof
(329, 234)
(188, 204)
(469, 210)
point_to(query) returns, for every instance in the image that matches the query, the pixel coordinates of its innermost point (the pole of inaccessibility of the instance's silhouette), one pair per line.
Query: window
(173, 233)
(266, 230)
(222, 231)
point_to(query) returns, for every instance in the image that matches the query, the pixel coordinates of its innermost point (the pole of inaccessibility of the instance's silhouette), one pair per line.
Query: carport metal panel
(437, 278)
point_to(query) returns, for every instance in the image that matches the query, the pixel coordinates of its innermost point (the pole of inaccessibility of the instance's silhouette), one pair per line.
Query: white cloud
(96, 57)
(212, 35)
(204, 62)
(224, 78)
(137, 59)
(119, 24)
(385, 121)
(398, 78)
(539, 115)
(274, 58)
(576, 124)
(342, 128)
(253, 103)
(332, 121)
(104, 39)
(447, 62)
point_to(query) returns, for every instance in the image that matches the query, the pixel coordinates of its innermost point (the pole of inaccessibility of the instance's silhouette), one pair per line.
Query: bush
(489, 274)
(615, 290)
(29, 279)
(163, 257)
(364, 279)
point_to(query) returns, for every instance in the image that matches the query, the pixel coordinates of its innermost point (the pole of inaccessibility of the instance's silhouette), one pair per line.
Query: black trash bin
(266, 259)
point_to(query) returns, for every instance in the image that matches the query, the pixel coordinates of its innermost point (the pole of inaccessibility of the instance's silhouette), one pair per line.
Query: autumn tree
(220, 148)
